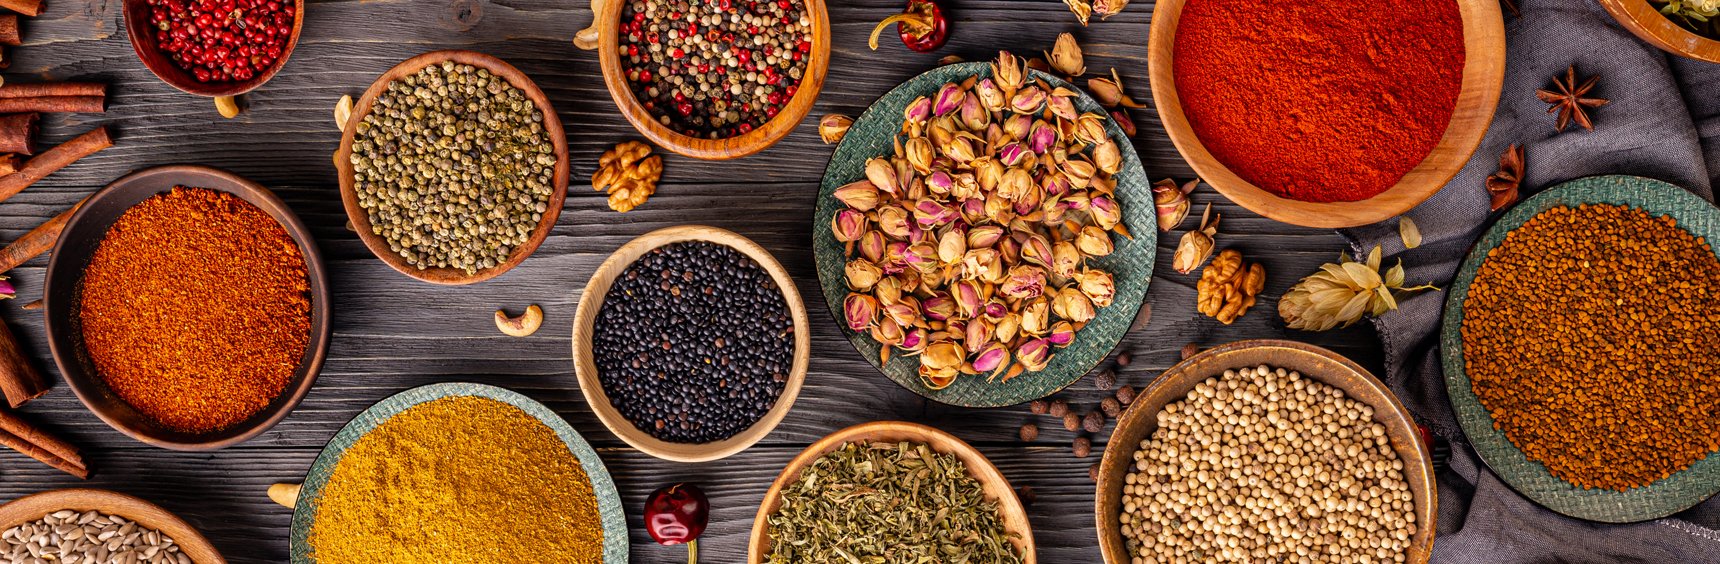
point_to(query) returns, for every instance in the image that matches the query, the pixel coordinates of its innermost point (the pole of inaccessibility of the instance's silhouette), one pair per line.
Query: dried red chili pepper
(921, 25)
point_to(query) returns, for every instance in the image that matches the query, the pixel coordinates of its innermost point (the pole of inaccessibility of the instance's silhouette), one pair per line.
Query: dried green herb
(888, 502)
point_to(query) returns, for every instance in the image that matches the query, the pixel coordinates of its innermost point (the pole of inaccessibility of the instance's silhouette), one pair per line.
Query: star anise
(1569, 102)
(1502, 185)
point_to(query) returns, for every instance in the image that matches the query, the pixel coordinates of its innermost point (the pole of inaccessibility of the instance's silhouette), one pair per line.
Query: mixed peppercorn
(222, 40)
(697, 342)
(714, 69)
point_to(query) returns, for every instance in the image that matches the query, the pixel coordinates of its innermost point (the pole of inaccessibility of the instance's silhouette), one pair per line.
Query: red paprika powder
(1319, 100)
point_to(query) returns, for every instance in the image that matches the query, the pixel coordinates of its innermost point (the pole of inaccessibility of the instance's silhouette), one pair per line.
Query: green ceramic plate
(1131, 263)
(615, 540)
(1659, 499)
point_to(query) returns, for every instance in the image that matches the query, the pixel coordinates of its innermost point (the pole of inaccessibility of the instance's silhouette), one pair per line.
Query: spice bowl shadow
(604, 36)
(585, 327)
(142, 34)
(1477, 98)
(64, 283)
(996, 486)
(361, 220)
(1315, 363)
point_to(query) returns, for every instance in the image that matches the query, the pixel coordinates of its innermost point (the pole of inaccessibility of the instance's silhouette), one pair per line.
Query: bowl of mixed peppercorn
(214, 47)
(712, 80)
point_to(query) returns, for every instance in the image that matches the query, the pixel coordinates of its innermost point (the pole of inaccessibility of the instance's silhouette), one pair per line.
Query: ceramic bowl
(78, 242)
(142, 34)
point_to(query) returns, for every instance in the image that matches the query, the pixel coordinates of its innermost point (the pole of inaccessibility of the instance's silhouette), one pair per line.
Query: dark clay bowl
(72, 254)
(142, 35)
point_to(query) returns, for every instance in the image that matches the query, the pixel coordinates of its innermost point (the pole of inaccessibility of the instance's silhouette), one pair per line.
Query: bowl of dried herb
(917, 492)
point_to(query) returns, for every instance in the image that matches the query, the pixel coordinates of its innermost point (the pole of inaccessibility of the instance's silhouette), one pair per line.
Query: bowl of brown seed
(80, 516)
(1319, 458)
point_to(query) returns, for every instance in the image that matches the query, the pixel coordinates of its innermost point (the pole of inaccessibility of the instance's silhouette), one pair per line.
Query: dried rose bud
(1034, 319)
(1065, 56)
(872, 246)
(1072, 422)
(1027, 101)
(832, 127)
(992, 360)
(939, 307)
(860, 195)
(1038, 406)
(1007, 328)
(915, 340)
(1172, 202)
(882, 175)
(1034, 354)
(1041, 137)
(942, 355)
(1062, 103)
(1062, 334)
(1025, 282)
(849, 225)
(1094, 422)
(1029, 433)
(1124, 122)
(974, 116)
(1080, 172)
(861, 275)
(948, 99)
(1126, 395)
(920, 154)
(1105, 212)
(1059, 408)
(1196, 245)
(887, 331)
(1111, 406)
(918, 111)
(1007, 71)
(1107, 156)
(1092, 241)
(860, 310)
(1016, 126)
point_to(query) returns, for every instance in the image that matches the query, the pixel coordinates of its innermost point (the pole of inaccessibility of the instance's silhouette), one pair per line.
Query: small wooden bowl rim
(1650, 25)
(585, 366)
(136, 14)
(35, 506)
(361, 220)
(63, 283)
(812, 81)
(1338, 372)
(1483, 76)
(996, 485)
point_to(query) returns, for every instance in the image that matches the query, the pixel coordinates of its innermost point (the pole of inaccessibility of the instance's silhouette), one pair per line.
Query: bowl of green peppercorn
(453, 167)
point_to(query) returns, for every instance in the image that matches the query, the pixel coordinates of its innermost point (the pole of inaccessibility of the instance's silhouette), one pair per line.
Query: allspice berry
(1095, 422)
(1126, 395)
(1058, 408)
(1189, 350)
(1083, 447)
(1071, 422)
(1110, 406)
(1026, 495)
(1038, 407)
(1123, 359)
(1029, 432)
(1105, 380)
(1093, 472)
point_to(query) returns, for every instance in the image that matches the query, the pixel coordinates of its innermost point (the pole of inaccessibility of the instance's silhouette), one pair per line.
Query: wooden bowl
(1483, 76)
(78, 242)
(36, 506)
(1644, 20)
(361, 220)
(1316, 363)
(584, 327)
(603, 36)
(142, 35)
(995, 484)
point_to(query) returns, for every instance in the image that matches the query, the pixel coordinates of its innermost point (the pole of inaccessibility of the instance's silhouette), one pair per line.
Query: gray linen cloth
(1664, 123)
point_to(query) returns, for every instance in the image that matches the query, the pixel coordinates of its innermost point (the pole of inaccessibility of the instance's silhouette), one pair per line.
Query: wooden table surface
(392, 333)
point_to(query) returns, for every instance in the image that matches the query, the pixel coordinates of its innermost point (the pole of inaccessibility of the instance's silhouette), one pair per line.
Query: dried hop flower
(1065, 56)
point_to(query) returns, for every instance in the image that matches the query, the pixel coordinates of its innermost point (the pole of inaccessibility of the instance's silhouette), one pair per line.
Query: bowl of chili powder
(1327, 114)
(187, 307)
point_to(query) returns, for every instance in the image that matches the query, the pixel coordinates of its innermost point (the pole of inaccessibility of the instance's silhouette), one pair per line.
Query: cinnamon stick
(42, 89)
(18, 133)
(52, 160)
(15, 425)
(36, 242)
(53, 104)
(10, 163)
(19, 380)
(16, 443)
(9, 30)
(26, 7)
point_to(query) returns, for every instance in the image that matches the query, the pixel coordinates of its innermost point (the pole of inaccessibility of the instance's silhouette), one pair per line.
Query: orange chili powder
(195, 309)
(1319, 100)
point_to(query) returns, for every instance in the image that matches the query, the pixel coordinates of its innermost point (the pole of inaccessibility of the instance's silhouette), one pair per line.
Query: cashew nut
(228, 106)
(285, 494)
(343, 112)
(524, 325)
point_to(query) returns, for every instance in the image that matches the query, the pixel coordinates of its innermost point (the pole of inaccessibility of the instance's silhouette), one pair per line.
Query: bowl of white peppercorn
(1310, 454)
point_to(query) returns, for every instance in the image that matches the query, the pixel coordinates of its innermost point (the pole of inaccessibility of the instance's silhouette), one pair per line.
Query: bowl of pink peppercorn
(216, 48)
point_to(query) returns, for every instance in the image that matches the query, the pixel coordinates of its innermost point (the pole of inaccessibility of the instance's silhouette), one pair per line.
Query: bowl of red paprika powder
(1326, 114)
(187, 307)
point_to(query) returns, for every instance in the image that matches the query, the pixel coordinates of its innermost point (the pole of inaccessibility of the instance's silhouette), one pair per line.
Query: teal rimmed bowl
(615, 539)
(1530, 478)
(1131, 263)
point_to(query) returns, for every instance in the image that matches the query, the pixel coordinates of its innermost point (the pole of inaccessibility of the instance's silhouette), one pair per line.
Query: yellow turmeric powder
(458, 479)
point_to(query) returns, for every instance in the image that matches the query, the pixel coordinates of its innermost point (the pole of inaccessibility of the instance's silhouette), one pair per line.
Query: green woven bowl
(615, 541)
(1131, 264)
(1659, 499)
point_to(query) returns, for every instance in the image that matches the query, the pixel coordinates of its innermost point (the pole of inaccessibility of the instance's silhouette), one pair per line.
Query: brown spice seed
(1071, 421)
(1126, 394)
(1111, 406)
(1029, 432)
(1038, 407)
(1093, 472)
(1105, 380)
(1083, 447)
(1095, 422)
(1058, 408)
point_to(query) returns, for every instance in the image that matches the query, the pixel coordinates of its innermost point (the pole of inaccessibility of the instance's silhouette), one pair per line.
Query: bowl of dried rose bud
(985, 234)
(711, 80)
(1317, 456)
